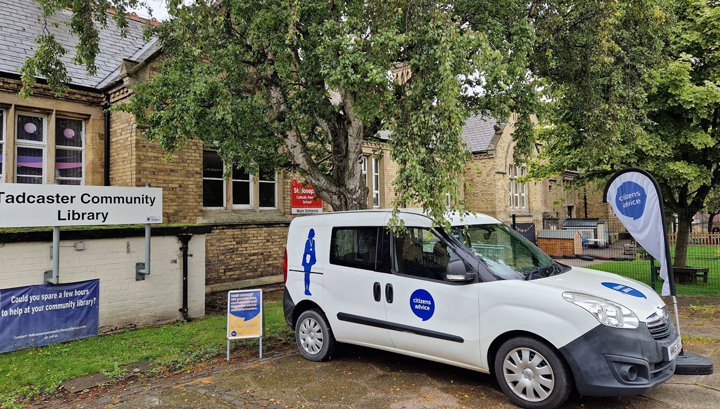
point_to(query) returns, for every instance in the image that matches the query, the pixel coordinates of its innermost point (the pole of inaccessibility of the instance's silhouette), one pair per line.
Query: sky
(159, 10)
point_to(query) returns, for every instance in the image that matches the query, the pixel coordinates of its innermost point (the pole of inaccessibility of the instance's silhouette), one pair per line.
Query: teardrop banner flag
(637, 201)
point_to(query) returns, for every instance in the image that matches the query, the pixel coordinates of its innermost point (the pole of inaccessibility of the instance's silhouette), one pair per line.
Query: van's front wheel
(314, 336)
(532, 374)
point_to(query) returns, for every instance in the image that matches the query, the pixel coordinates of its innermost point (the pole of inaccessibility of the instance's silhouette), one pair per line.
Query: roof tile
(21, 23)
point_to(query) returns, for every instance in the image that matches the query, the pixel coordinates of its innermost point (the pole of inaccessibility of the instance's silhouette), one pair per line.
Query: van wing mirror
(458, 272)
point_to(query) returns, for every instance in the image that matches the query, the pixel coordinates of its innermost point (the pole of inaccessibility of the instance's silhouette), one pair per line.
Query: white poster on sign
(23, 205)
(635, 199)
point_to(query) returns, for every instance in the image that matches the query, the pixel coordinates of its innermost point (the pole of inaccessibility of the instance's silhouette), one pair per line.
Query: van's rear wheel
(532, 374)
(314, 336)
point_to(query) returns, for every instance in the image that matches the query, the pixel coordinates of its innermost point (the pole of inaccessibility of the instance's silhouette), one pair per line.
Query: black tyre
(313, 336)
(532, 374)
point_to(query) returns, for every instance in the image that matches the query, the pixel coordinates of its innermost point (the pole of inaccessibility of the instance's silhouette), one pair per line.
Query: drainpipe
(185, 239)
(106, 170)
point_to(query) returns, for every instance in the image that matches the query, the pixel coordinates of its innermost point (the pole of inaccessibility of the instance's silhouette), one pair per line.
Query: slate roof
(582, 223)
(21, 23)
(478, 132)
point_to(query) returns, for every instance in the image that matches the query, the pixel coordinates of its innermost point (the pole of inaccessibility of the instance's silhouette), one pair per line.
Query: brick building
(496, 188)
(74, 140)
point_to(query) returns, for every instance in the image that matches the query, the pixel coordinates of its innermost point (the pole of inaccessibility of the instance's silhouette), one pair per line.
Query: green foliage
(668, 124)
(254, 79)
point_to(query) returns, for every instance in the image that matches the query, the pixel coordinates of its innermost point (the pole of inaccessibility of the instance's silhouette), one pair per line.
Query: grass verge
(33, 372)
(640, 270)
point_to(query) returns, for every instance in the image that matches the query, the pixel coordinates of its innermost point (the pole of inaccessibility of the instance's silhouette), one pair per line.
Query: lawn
(31, 372)
(640, 270)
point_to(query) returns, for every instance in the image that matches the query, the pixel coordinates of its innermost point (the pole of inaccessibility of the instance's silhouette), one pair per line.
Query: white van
(479, 297)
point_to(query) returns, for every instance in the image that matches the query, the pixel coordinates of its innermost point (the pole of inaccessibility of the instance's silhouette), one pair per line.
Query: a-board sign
(39, 315)
(245, 314)
(304, 200)
(24, 205)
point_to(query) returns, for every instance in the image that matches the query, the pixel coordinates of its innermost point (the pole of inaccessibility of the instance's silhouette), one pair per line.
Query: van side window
(419, 252)
(354, 247)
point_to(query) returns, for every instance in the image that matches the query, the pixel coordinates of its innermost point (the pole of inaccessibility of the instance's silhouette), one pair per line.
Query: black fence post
(513, 222)
(652, 272)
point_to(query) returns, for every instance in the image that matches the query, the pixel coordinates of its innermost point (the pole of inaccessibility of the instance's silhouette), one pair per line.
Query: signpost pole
(228, 350)
(56, 256)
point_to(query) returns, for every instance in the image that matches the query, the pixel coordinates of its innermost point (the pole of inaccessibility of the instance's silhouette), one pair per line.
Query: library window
(241, 186)
(69, 151)
(30, 148)
(376, 182)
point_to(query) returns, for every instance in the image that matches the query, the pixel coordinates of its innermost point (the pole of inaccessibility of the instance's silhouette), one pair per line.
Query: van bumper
(604, 360)
(288, 307)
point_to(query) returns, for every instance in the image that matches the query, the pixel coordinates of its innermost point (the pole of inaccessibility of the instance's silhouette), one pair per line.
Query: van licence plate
(673, 350)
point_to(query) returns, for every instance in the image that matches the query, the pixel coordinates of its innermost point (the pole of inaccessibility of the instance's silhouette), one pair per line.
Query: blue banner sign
(46, 314)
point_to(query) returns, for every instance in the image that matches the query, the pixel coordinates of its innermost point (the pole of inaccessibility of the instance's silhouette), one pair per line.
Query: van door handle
(389, 293)
(376, 291)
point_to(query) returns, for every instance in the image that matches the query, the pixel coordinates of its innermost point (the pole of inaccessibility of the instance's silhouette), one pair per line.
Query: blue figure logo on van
(630, 200)
(309, 259)
(422, 304)
(624, 289)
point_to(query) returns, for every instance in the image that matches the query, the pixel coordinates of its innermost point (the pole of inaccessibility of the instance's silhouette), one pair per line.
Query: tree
(673, 132)
(254, 78)
(712, 206)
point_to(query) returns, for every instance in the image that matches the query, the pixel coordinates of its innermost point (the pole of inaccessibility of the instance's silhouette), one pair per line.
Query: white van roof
(375, 217)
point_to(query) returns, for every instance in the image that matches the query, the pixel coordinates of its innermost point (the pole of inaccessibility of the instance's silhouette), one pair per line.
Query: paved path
(361, 378)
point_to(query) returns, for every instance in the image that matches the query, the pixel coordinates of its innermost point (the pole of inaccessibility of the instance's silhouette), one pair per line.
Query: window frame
(364, 173)
(251, 185)
(275, 190)
(376, 183)
(72, 148)
(20, 143)
(518, 191)
(224, 184)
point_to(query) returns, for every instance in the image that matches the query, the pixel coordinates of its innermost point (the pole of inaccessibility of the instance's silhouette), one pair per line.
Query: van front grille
(659, 324)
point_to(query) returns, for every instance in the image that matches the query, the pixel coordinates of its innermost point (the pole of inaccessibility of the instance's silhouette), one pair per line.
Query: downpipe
(185, 239)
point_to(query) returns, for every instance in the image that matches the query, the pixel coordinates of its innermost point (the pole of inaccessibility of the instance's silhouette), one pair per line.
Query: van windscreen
(505, 252)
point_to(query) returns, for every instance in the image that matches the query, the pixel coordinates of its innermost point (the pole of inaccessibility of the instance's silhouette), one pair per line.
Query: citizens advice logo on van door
(422, 304)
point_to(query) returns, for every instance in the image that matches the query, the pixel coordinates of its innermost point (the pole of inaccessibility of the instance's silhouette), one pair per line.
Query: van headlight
(607, 312)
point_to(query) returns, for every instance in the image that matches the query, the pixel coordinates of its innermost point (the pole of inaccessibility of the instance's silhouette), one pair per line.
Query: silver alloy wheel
(528, 374)
(311, 336)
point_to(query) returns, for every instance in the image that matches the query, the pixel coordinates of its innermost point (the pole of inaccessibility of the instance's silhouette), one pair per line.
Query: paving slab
(83, 383)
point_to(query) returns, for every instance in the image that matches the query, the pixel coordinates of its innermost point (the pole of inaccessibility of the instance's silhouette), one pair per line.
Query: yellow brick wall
(239, 252)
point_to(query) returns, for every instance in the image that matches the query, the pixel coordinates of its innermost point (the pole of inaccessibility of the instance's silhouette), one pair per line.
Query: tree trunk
(344, 189)
(683, 234)
(711, 217)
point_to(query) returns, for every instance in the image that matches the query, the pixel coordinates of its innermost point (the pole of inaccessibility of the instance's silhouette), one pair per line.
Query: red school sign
(304, 200)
